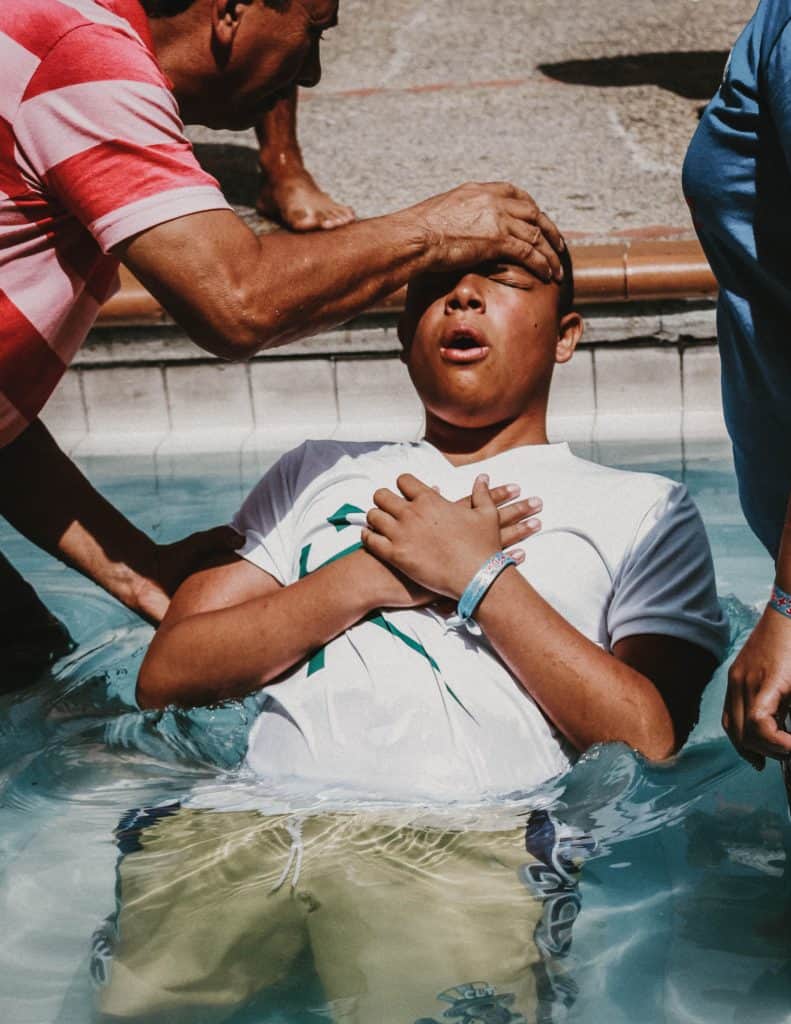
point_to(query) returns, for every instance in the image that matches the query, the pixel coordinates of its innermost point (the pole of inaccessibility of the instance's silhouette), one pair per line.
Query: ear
(570, 330)
(226, 16)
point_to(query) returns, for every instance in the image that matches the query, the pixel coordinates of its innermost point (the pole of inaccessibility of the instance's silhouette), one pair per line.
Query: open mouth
(464, 346)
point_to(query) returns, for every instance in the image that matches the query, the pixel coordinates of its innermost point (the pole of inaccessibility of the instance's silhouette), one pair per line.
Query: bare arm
(235, 292)
(232, 628)
(45, 496)
(759, 682)
(645, 694)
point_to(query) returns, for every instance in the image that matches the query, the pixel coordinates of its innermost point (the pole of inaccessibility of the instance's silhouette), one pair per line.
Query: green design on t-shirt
(338, 519)
(317, 661)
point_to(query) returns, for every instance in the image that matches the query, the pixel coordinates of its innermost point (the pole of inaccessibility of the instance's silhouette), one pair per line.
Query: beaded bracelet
(780, 601)
(476, 589)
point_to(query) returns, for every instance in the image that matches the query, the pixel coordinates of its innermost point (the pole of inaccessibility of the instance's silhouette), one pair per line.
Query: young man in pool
(607, 628)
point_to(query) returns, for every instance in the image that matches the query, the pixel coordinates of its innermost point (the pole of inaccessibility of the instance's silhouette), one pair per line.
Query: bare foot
(297, 202)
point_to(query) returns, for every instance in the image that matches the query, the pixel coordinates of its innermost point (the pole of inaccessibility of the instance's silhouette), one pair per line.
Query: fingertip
(533, 523)
(535, 503)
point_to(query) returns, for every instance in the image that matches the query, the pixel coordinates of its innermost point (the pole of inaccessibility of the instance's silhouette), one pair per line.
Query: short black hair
(169, 8)
(566, 297)
(165, 8)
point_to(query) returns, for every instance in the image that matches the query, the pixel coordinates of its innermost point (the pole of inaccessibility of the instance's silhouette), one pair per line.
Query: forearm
(277, 135)
(240, 293)
(306, 284)
(226, 653)
(46, 498)
(589, 695)
(783, 566)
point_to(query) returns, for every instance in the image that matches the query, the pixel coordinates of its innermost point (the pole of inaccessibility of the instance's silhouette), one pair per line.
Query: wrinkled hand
(440, 544)
(477, 223)
(172, 563)
(759, 692)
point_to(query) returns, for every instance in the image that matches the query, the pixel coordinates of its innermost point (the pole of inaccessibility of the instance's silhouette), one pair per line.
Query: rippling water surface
(685, 903)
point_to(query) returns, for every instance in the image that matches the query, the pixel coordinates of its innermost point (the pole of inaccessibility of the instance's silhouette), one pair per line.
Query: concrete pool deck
(590, 106)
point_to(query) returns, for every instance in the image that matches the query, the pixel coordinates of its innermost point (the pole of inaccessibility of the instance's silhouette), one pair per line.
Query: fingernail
(518, 555)
(534, 502)
(562, 244)
(533, 523)
(482, 478)
(560, 274)
(513, 489)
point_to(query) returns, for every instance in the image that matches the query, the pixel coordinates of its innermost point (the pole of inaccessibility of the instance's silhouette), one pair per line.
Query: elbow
(151, 691)
(241, 329)
(658, 751)
(658, 743)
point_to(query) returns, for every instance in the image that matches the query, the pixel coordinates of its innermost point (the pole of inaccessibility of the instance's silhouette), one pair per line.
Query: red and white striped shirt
(92, 151)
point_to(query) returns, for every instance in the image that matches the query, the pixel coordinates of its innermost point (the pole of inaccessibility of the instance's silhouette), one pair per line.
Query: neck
(181, 44)
(463, 445)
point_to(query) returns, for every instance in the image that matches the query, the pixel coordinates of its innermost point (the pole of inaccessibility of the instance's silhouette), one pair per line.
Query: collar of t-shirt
(534, 453)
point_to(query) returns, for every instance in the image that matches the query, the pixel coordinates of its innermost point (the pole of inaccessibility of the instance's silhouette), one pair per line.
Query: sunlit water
(685, 903)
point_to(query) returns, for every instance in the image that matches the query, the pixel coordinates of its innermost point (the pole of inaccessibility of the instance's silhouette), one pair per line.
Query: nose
(310, 73)
(466, 296)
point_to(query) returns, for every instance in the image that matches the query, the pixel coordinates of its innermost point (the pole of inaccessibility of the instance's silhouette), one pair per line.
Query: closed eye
(513, 277)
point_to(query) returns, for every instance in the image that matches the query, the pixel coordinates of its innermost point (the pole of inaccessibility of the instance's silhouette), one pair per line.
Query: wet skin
(480, 348)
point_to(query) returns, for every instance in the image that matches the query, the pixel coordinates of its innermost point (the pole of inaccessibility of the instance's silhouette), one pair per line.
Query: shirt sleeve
(267, 519)
(100, 130)
(665, 584)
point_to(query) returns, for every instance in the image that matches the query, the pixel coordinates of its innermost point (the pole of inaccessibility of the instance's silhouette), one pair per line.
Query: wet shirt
(399, 705)
(737, 182)
(92, 151)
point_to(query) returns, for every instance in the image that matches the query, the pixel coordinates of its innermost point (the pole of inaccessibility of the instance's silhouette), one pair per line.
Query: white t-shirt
(401, 706)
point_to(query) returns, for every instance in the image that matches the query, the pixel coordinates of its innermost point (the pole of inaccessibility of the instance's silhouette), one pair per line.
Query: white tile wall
(638, 393)
(64, 413)
(572, 400)
(702, 399)
(293, 400)
(376, 401)
(210, 407)
(126, 409)
(605, 393)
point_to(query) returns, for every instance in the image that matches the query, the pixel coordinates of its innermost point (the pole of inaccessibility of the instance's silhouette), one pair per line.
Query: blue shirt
(738, 185)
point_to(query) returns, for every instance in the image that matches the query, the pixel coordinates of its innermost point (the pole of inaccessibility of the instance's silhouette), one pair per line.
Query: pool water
(684, 905)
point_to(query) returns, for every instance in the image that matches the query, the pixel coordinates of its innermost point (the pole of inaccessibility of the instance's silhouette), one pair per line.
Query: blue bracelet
(780, 601)
(476, 589)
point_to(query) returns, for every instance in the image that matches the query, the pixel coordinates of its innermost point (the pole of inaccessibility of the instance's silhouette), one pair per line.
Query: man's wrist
(412, 236)
(133, 587)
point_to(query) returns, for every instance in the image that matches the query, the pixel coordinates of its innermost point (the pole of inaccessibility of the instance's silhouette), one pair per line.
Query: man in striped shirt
(95, 168)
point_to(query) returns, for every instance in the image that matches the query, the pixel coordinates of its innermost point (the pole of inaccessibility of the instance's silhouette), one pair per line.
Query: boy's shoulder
(642, 485)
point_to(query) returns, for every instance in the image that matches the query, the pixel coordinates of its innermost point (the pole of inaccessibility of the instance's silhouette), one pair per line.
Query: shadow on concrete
(235, 167)
(694, 74)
